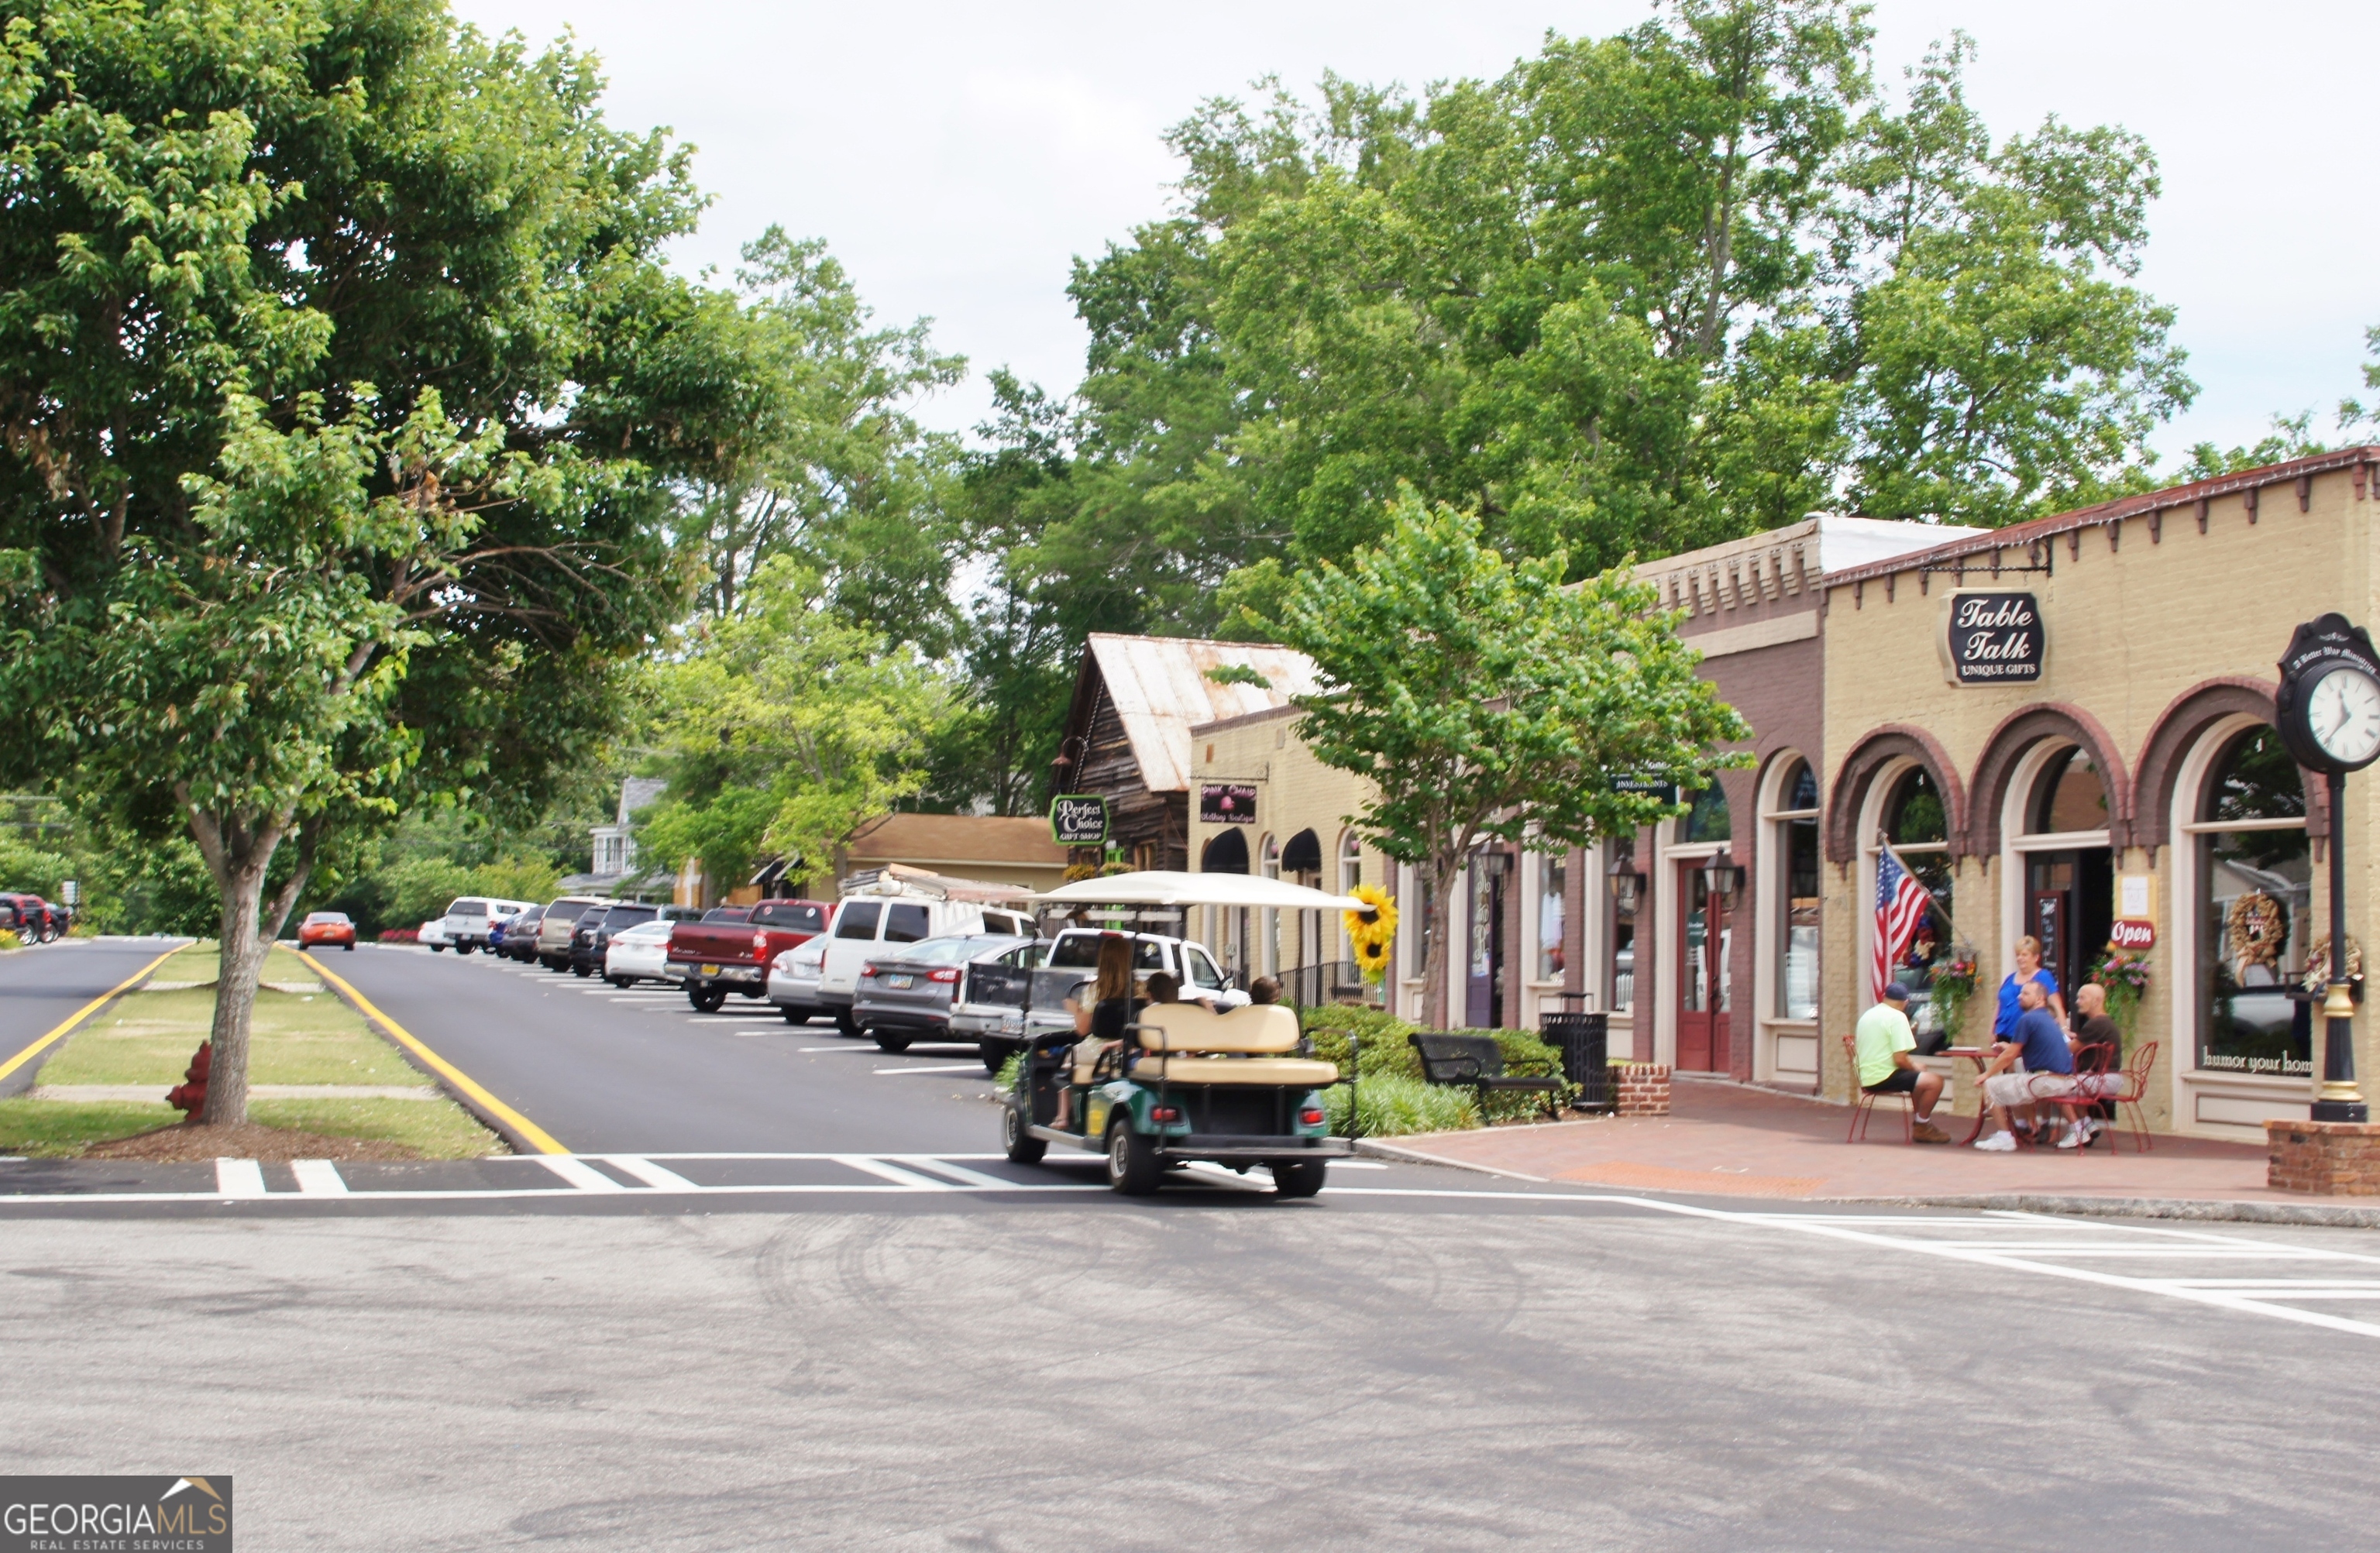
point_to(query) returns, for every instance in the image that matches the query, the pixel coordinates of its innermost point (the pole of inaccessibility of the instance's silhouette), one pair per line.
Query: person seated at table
(2036, 1065)
(1884, 1044)
(2092, 1027)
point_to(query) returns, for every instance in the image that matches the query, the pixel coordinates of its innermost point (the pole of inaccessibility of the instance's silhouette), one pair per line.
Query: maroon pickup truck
(716, 957)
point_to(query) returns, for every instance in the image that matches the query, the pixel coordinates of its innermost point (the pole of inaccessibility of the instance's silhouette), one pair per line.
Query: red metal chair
(2091, 1081)
(2135, 1084)
(1863, 1102)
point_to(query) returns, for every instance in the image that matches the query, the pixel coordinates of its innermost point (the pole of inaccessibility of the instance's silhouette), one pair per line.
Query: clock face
(2342, 713)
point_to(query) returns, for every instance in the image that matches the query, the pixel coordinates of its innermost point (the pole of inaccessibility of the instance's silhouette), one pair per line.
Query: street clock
(2328, 706)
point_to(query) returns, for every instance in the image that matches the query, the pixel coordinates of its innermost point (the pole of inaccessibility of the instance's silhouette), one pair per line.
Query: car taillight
(1311, 1116)
(944, 974)
(759, 940)
(1165, 1114)
(866, 970)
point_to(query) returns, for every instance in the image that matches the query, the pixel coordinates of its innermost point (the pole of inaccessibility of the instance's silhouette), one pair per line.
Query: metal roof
(1160, 689)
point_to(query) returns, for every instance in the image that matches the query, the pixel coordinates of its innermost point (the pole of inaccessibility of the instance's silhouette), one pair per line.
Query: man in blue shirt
(2034, 1064)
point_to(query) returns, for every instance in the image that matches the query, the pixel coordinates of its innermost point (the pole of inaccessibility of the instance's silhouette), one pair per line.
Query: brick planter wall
(2332, 1158)
(1644, 1089)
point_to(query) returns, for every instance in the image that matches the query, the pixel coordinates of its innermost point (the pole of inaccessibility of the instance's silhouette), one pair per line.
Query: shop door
(2070, 908)
(1484, 989)
(1703, 938)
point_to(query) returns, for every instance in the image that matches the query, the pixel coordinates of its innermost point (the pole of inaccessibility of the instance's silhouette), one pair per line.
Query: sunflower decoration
(1372, 930)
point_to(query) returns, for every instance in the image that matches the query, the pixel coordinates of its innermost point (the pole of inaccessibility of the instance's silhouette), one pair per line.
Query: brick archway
(1878, 748)
(2178, 727)
(2019, 732)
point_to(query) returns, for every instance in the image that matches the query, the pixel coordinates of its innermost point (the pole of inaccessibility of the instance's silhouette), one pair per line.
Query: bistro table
(1980, 1056)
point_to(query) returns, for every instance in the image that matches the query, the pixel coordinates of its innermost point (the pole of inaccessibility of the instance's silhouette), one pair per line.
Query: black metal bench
(1476, 1063)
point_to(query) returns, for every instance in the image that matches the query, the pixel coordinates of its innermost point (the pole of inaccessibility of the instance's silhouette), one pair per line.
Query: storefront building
(2066, 726)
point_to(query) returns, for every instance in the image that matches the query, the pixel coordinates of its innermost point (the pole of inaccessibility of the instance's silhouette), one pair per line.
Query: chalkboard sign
(1992, 639)
(1078, 819)
(1227, 803)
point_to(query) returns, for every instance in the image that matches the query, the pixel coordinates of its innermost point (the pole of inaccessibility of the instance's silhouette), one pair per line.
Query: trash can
(1584, 1039)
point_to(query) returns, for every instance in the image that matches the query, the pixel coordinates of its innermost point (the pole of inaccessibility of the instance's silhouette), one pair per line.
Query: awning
(1158, 888)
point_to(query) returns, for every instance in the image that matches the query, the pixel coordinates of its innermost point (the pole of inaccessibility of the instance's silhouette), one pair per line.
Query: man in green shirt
(1887, 1066)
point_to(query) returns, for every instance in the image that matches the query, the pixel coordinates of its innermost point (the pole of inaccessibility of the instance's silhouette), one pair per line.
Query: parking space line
(578, 1172)
(531, 1133)
(937, 1068)
(319, 1178)
(238, 1178)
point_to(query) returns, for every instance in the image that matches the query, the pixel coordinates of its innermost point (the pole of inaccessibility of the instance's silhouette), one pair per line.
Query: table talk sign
(1992, 638)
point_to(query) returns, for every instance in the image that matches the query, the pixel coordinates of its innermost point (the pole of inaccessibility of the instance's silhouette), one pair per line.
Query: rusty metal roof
(1160, 689)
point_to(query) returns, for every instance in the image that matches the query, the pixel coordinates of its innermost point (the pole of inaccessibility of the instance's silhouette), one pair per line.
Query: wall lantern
(1722, 876)
(1625, 881)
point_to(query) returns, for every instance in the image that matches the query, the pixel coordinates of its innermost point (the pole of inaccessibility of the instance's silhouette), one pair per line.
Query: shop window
(1707, 819)
(1623, 929)
(2070, 796)
(2255, 928)
(1351, 862)
(1795, 880)
(1553, 878)
(1919, 828)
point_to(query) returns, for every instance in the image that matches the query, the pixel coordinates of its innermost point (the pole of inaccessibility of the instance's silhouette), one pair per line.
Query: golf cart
(1238, 1088)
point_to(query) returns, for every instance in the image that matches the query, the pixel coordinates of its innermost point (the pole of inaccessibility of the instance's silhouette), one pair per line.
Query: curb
(2206, 1209)
(1373, 1149)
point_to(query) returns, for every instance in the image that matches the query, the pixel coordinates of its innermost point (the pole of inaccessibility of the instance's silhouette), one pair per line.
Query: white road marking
(578, 1172)
(644, 1169)
(854, 1045)
(976, 1067)
(238, 1178)
(319, 1178)
(894, 1173)
(959, 1173)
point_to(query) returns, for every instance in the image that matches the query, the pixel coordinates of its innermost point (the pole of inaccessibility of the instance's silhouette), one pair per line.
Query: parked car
(506, 935)
(560, 922)
(592, 938)
(794, 981)
(434, 933)
(470, 917)
(638, 954)
(906, 995)
(870, 924)
(988, 1006)
(31, 919)
(327, 927)
(1075, 955)
(715, 958)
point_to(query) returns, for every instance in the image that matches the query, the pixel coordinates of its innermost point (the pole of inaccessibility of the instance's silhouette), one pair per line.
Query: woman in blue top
(2028, 968)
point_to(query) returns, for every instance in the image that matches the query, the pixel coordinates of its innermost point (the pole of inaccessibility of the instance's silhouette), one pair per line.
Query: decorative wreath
(1372, 930)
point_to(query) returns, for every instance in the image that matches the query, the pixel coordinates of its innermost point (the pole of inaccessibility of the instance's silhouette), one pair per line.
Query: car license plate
(710, 970)
(900, 983)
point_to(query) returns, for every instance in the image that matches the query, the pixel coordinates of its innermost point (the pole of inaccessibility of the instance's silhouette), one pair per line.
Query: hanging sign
(1665, 791)
(1078, 819)
(1227, 803)
(1992, 638)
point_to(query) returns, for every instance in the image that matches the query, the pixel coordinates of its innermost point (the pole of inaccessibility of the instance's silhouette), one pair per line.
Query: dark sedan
(515, 937)
(904, 995)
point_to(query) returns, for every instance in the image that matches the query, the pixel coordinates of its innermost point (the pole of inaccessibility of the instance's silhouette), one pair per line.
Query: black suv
(593, 934)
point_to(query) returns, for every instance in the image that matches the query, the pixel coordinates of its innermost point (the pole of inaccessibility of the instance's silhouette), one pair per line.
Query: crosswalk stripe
(652, 1174)
(893, 1173)
(319, 1178)
(238, 1178)
(578, 1172)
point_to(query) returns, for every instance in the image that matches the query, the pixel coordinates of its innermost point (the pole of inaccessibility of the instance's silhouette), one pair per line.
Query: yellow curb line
(18, 1060)
(537, 1136)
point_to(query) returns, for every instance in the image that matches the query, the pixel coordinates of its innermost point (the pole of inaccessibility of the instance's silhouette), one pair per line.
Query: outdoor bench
(1477, 1062)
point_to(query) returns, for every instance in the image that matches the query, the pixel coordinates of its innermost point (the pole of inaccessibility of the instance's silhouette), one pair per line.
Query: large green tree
(1481, 698)
(344, 394)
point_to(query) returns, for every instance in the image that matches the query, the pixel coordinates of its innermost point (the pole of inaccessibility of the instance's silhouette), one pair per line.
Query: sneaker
(1999, 1143)
(2075, 1137)
(1926, 1132)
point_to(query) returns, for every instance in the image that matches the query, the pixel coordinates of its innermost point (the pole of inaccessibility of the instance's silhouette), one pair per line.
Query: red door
(1703, 936)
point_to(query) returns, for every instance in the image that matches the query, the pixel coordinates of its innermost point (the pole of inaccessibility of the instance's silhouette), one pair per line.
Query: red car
(327, 926)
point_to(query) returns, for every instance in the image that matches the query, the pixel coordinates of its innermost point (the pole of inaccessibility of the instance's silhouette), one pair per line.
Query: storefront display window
(1919, 829)
(1553, 877)
(1797, 885)
(1623, 931)
(2254, 928)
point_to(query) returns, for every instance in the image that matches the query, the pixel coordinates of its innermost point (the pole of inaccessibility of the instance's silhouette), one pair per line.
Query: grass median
(302, 1037)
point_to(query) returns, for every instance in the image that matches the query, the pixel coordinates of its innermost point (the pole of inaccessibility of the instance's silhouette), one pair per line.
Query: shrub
(1393, 1105)
(8, 939)
(400, 935)
(1386, 1052)
(1007, 1083)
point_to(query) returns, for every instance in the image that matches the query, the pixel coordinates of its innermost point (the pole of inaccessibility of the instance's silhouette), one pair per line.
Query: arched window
(1227, 854)
(1268, 922)
(2255, 928)
(2068, 795)
(1914, 816)
(1794, 867)
(1707, 821)
(1302, 855)
(1918, 826)
(1351, 862)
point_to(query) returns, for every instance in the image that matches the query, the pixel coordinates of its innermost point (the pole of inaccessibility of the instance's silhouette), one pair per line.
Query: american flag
(1901, 905)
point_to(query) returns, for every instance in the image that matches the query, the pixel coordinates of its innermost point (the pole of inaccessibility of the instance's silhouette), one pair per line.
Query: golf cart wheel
(1023, 1148)
(1132, 1166)
(707, 1000)
(890, 1040)
(1297, 1178)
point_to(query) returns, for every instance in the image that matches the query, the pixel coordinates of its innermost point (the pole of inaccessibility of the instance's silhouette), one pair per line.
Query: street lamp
(1625, 881)
(1723, 875)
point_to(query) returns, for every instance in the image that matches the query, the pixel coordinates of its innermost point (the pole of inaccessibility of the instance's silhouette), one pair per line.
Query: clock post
(2328, 707)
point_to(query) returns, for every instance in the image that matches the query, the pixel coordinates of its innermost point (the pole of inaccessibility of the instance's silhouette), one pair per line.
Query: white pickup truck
(1074, 960)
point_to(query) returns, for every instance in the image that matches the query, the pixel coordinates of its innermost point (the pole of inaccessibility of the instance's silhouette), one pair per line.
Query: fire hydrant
(192, 1096)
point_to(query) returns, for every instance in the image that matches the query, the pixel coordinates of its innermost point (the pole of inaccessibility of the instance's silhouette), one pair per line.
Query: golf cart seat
(1302, 1072)
(1259, 1029)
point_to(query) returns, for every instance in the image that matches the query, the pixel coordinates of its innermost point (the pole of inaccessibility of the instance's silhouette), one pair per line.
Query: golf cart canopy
(1162, 888)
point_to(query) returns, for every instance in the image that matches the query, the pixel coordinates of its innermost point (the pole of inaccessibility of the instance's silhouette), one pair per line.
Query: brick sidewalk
(1730, 1140)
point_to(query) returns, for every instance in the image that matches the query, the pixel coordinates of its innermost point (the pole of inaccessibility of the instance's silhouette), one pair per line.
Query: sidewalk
(1730, 1140)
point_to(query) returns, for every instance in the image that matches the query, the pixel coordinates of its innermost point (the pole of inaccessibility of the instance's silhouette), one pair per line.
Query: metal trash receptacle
(1584, 1039)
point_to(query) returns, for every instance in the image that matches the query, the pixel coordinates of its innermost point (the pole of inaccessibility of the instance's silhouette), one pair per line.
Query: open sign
(2131, 933)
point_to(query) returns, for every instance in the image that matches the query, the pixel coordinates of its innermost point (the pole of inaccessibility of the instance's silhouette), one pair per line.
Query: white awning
(1163, 889)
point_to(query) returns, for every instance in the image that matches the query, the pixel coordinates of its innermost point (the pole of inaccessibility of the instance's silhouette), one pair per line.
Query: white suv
(865, 923)
(467, 919)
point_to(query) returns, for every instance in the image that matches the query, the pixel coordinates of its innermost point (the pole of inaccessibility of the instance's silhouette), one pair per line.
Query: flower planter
(1642, 1089)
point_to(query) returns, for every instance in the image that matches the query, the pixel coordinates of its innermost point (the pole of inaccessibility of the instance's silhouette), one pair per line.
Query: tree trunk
(241, 958)
(1433, 970)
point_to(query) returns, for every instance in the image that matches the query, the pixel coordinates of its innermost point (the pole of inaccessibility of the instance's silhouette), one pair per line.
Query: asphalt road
(605, 1070)
(42, 985)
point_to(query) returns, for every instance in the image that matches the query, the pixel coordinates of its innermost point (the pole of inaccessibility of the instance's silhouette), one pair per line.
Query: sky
(958, 157)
